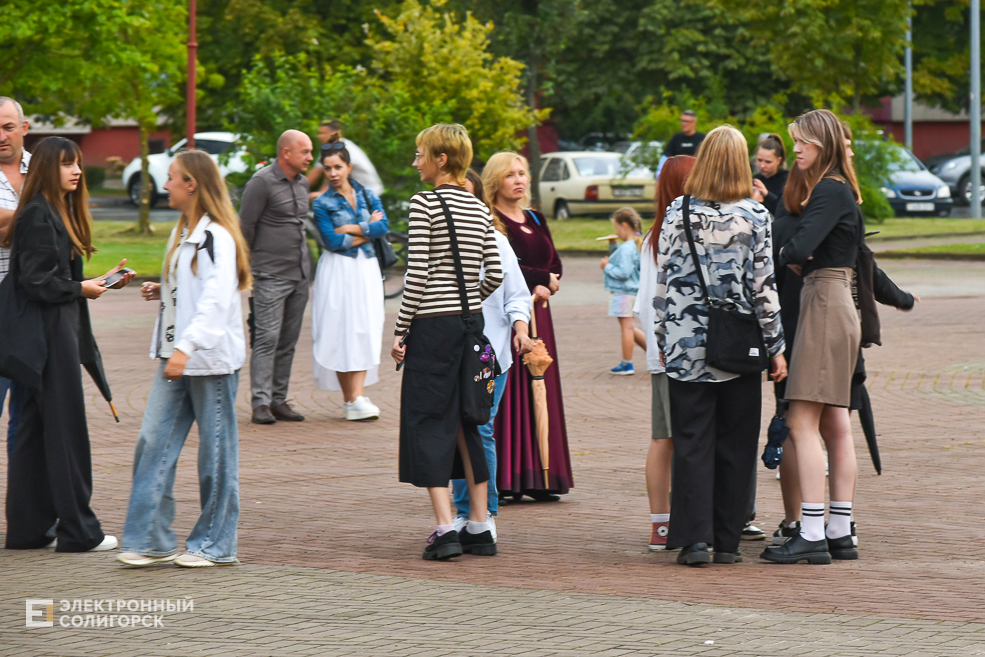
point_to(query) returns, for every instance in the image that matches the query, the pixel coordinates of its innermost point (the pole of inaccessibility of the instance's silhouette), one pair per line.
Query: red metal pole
(192, 57)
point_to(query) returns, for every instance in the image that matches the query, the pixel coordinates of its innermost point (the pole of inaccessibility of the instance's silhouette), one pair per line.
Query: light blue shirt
(622, 274)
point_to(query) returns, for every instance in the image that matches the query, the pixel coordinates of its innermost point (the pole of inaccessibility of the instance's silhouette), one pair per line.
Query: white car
(593, 183)
(213, 143)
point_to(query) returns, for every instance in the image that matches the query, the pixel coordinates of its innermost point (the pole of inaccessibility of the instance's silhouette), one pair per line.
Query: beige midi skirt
(827, 342)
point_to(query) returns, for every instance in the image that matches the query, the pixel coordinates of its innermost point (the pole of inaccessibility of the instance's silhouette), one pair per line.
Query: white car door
(550, 179)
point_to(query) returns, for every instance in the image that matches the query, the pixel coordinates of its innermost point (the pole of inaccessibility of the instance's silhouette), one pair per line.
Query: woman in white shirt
(199, 339)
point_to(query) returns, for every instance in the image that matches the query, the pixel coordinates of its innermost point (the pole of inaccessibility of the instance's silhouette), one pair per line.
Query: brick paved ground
(321, 503)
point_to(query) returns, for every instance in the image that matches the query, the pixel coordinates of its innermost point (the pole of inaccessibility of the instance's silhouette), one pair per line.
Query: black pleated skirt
(430, 406)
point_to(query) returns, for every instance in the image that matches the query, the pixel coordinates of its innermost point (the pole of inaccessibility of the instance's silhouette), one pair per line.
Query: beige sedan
(576, 183)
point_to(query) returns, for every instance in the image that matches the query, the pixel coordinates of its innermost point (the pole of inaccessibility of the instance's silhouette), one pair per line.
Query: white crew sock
(444, 529)
(839, 519)
(478, 527)
(659, 517)
(812, 525)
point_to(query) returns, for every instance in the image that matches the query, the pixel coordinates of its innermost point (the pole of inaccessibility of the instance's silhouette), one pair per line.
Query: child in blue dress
(622, 280)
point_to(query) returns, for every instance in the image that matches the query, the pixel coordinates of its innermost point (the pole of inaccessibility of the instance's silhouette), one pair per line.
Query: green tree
(941, 53)
(833, 51)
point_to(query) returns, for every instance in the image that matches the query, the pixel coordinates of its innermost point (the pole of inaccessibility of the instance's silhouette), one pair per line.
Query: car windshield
(906, 162)
(597, 166)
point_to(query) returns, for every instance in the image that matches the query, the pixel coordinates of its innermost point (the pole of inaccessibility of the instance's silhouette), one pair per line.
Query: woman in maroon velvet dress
(507, 182)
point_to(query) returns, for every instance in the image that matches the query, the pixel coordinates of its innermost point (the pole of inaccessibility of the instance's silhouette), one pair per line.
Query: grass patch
(964, 249)
(117, 240)
(579, 234)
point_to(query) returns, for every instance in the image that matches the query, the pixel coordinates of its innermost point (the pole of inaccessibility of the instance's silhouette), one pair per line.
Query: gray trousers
(278, 311)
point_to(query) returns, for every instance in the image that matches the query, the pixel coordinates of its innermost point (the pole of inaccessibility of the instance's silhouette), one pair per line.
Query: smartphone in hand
(115, 281)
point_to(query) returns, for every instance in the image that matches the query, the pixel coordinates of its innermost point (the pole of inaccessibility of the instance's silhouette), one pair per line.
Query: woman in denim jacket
(347, 305)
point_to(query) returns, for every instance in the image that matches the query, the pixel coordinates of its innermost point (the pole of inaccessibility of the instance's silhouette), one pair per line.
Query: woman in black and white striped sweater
(435, 445)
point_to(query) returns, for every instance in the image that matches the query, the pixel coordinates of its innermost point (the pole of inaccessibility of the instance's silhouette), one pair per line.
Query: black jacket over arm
(47, 269)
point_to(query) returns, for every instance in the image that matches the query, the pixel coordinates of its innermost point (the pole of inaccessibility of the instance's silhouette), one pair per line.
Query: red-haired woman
(669, 186)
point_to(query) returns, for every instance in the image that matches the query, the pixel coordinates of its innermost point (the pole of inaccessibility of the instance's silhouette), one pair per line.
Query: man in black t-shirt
(687, 141)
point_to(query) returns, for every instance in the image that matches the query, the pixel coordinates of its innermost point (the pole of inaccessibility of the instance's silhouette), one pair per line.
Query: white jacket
(509, 303)
(209, 318)
(644, 304)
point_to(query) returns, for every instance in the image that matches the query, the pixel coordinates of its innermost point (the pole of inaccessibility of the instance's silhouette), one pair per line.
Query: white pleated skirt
(346, 318)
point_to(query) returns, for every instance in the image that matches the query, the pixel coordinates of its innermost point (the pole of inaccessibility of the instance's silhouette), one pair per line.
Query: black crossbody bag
(734, 342)
(385, 254)
(479, 365)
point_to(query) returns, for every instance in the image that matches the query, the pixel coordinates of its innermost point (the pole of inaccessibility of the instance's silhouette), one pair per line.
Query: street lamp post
(192, 57)
(908, 99)
(976, 110)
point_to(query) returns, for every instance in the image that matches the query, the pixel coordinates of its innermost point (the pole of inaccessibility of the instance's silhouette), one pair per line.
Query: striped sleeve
(418, 249)
(491, 261)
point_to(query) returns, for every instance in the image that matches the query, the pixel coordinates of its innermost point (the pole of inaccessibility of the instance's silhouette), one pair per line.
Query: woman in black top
(789, 285)
(826, 344)
(50, 468)
(771, 160)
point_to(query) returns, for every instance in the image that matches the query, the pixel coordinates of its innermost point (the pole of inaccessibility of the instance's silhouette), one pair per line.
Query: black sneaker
(694, 555)
(443, 547)
(842, 548)
(727, 557)
(785, 532)
(479, 544)
(798, 549)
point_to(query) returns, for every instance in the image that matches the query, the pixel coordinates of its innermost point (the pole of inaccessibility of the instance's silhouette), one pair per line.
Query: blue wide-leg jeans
(171, 409)
(459, 486)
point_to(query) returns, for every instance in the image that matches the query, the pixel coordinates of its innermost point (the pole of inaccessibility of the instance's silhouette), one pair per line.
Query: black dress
(50, 468)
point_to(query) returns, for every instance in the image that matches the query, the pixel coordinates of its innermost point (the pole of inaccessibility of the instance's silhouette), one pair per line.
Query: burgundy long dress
(517, 448)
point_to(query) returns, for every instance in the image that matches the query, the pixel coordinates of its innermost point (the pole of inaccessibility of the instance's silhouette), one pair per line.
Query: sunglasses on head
(335, 146)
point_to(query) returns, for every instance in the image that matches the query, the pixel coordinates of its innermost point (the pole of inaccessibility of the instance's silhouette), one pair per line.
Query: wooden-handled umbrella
(537, 362)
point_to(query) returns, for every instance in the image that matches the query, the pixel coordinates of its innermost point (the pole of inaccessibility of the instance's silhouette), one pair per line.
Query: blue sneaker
(622, 369)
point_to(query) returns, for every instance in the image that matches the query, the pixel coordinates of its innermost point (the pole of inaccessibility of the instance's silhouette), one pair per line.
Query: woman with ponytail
(199, 340)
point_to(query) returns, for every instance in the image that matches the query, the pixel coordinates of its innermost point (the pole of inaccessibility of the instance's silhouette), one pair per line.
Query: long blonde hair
(211, 197)
(721, 168)
(495, 172)
(823, 129)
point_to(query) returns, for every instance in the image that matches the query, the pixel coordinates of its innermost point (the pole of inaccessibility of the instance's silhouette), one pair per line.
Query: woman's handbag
(479, 367)
(385, 254)
(734, 342)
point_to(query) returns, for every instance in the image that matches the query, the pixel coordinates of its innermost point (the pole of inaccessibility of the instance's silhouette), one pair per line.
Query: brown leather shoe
(285, 412)
(261, 415)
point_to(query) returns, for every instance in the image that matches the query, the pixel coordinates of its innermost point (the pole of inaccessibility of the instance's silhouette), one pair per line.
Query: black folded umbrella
(98, 374)
(868, 426)
(776, 435)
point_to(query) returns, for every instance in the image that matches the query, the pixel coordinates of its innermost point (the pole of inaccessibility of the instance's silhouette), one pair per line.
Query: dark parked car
(913, 190)
(955, 170)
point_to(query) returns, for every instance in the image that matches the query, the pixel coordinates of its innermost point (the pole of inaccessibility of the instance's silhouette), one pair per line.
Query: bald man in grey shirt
(272, 214)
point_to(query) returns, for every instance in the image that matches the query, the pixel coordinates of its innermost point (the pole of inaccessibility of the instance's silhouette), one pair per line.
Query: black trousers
(715, 429)
(49, 474)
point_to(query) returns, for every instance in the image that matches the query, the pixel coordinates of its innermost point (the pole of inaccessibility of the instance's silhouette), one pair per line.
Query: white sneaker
(459, 523)
(109, 543)
(491, 519)
(137, 560)
(192, 561)
(53, 544)
(361, 409)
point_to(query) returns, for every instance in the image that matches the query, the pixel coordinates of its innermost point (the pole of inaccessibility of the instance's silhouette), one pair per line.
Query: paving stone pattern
(330, 541)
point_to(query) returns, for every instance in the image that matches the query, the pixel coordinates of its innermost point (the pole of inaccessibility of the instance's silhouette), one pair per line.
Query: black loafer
(482, 544)
(842, 548)
(543, 496)
(727, 557)
(285, 412)
(443, 547)
(798, 549)
(694, 555)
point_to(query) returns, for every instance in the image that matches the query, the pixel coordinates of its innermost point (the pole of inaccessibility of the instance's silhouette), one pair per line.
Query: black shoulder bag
(734, 342)
(385, 254)
(479, 366)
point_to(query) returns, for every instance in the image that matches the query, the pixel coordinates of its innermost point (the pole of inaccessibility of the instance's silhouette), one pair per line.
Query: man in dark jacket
(272, 214)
